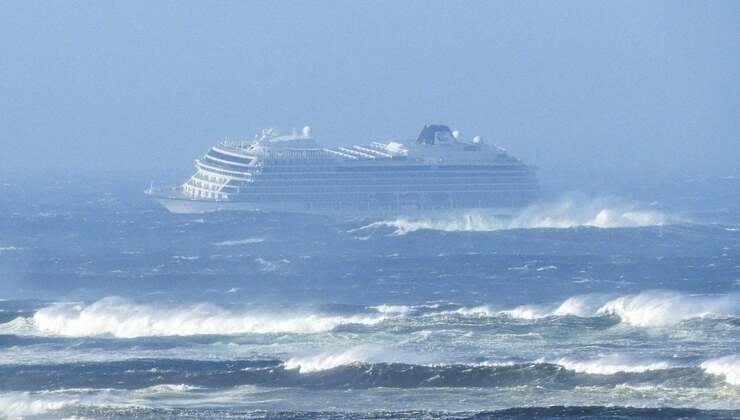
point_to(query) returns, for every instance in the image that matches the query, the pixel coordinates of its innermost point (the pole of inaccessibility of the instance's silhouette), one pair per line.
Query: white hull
(184, 206)
(189, 206)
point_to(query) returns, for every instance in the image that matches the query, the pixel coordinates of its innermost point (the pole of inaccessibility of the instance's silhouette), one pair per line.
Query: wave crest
(610, 365)
(661, 308)
(124, 319)
(328, 360)
(645, 309)
(728, 367)
(568, 212)
(21, 404)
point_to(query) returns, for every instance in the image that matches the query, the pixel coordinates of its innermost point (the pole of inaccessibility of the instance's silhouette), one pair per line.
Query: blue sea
(585, 305)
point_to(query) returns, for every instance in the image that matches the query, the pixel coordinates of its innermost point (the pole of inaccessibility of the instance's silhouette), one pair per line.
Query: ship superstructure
(292, 173)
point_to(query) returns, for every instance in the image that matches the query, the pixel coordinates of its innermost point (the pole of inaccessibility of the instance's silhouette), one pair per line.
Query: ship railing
(341, 154)
(356, 153)
(393, 151)
(373, 151)
(154, 189)
(236, 144)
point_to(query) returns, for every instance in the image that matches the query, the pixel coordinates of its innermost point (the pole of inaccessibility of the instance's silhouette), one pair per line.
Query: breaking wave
(650, 309)
(329, 360)
(359, 355)
(645, 309)
(122, 318)
(17, 405)
(393, 309)
(572, 211)
(610, 365)
(727, 367)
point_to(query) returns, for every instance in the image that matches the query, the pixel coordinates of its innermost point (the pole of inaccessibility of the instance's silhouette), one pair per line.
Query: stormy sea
(580, 306)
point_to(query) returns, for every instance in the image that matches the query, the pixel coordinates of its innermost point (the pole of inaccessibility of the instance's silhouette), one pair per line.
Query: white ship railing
(356, 153)
(337, 153)
(373, 151)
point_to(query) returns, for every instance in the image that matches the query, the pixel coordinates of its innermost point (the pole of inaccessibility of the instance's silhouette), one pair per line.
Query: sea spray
(665, 308)
(330, 359)
(123, 318)
(611, 364)
(654, 308)
(727, 367)
(571, 211)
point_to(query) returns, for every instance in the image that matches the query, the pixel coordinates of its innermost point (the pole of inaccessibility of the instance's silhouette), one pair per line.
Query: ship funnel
(434, 133)
(306, 131)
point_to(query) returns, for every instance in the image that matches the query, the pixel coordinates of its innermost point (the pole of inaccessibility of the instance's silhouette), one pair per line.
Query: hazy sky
(635, 86)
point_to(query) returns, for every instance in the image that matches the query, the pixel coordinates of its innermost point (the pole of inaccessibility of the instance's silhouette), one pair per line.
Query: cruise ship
(438, 171)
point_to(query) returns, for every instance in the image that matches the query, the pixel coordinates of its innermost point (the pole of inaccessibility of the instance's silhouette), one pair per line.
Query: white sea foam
(528, 312)
(333, 358)
(17, 405)
(122, 318)
(568, 212)
(167, 389)
(270, 266)
(646, 309)
(330, 360)
(186, 257)
(609, 365)
(480, 311)
(727, 367)
(665, 308)
(236, 242)
(582, 305)
(393, 309)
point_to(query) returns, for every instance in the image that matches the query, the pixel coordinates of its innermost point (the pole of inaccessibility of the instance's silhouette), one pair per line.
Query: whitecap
(329, 360)
(665, 308)
(611, 364)
(528, 312)
(727, 367)
(333, 358)
(569, 212)
(646, 309)
(167, 388)
(186, 257)
(236, 242)
(393, 309)
(120, 317)
(480, 311)
(22, 404)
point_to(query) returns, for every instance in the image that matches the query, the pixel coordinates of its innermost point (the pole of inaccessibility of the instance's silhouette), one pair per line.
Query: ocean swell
(160, 374)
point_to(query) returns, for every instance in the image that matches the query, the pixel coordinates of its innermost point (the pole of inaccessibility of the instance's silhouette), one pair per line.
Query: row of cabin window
(200, 193)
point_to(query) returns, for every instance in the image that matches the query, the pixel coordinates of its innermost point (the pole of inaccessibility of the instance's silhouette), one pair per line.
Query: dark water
(582, 306)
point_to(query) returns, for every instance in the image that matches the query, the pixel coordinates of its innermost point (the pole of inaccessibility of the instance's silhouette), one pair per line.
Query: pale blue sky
(642, 87)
